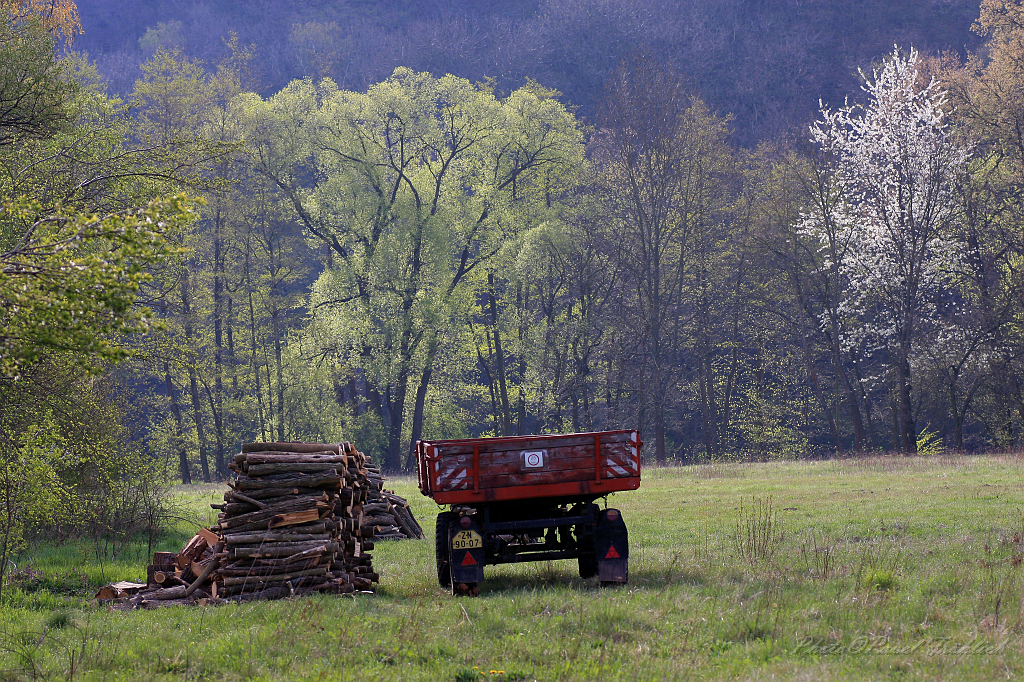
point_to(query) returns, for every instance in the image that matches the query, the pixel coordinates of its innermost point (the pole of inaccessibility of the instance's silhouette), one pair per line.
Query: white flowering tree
(896, 165)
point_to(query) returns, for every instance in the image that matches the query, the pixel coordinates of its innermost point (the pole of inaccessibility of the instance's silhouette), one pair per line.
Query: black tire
(444, 571)
(588, 557)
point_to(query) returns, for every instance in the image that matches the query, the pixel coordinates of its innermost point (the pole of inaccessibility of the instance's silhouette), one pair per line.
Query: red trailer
(529, 498)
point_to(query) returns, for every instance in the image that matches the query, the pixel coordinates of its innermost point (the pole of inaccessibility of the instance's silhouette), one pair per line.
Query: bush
(68, 468)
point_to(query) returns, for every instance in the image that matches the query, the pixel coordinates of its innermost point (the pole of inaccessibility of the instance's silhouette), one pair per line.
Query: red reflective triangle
(612, 554)
(470, 561)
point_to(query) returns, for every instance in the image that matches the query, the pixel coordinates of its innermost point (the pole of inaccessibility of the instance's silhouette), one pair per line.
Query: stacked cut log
(388, 513)
(291, 522)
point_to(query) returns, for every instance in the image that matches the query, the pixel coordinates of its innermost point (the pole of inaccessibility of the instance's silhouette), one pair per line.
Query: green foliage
(30, 487)
(430, 257)
(880, 579)
(35, 87)
(166, 34)
(929, 442)
(58, 620)
(70, 282)
(68, 467)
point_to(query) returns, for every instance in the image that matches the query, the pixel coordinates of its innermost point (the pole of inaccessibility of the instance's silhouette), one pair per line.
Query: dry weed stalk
(758, 531)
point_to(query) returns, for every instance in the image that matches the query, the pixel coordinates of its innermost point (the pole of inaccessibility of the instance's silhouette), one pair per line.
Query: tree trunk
(851, 399)
(232, 358)
(499, 359)
(894, 409)
(274, 316)
(218, 432)
(254, 359)
(197, 414)
(270, 397)
(908, 429)
(867, 405)
(218, 344)
(421, 398)
(396, 408)
(819, 395)
(183, 468)
(705, 406)
(659, 432)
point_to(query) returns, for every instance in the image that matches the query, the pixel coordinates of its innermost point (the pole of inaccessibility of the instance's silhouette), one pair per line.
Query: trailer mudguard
(611, 540)
(466, 549)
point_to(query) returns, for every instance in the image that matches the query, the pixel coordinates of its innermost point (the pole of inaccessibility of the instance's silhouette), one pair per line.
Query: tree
(986, 94)
(664, 157)
(35, 87)
(411, 187)
(80, 231)
(79, 228)
(819, 243)
(184, 118)
(897, 165)
(58, 17)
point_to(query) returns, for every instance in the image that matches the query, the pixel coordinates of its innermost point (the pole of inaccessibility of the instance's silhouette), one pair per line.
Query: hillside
(767, 62)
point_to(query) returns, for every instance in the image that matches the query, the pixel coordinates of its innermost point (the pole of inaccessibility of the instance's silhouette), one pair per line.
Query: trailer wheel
(444, 572)
(588, 555)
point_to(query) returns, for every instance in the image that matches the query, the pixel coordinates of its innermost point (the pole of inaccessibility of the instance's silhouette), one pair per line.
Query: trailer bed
(577, 465)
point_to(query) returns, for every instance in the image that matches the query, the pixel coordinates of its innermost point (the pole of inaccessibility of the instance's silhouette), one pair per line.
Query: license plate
(467, 539)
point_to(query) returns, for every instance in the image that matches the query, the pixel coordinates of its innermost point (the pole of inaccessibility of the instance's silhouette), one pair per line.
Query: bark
(264, 457)
(499, 359)
(851, 401)
(311, 481)
(232, 358)
(490, 385)
(254, 360)
(275, 314)
(289, 467)
(197, 414)
(421, 398)
(908, 429)
(183, 467)
(872, 434)
(218, 343)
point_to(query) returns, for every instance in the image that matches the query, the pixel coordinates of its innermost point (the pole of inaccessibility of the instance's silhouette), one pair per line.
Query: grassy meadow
(885, 568)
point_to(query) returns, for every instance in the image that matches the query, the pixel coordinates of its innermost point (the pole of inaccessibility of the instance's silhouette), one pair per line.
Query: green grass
(880, 569)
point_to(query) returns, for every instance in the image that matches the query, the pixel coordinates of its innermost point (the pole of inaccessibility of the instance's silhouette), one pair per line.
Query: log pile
(291, 523)
(299, 518)
(173, 579)
(387, 513)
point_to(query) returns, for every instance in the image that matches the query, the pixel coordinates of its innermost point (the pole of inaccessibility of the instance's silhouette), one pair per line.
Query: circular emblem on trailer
(533, 459)
(612, 514)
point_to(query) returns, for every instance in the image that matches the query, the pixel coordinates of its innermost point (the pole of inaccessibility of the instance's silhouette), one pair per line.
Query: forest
(211, 247)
